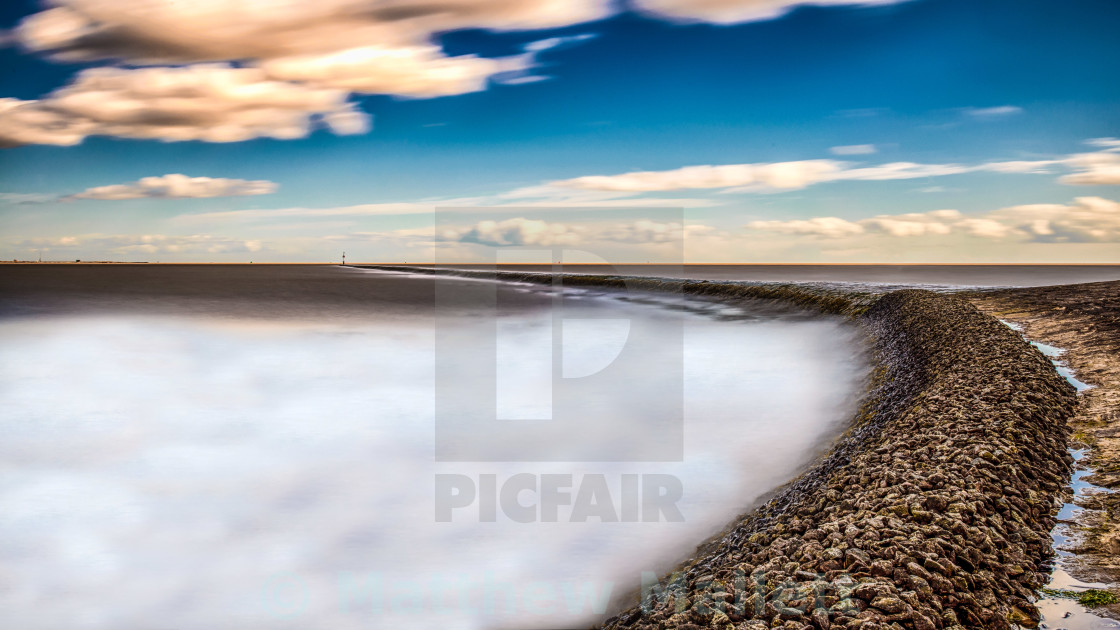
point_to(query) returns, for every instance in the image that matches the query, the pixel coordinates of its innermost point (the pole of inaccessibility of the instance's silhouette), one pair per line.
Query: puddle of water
(1069, 376)
(1060, 579)
(1053, 352)
(1062, 613)
(1048, 350)
(1066, 614)
(1012, 325)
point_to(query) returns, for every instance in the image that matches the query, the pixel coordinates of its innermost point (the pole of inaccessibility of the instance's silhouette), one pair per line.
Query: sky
(727, 131)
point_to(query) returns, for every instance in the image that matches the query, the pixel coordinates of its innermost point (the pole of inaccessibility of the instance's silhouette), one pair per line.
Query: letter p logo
(558, 370)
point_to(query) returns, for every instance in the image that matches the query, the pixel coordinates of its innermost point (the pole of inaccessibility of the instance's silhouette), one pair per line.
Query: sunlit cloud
(1085, 220)
(211, 102)
(734, 11)
(298, 63)
(1094, 169)
(176, 186)
(1089, 168)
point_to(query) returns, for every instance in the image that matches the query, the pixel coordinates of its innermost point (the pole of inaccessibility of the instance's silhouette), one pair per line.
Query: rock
(820, 619)
(931, 512)
(921, 622)
(790, 613)
(891, 605)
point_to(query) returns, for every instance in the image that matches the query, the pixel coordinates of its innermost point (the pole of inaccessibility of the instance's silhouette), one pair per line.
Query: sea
(315, 446)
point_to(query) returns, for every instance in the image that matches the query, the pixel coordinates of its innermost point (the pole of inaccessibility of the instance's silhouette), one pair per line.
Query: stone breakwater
(932, 511)
(823, 298)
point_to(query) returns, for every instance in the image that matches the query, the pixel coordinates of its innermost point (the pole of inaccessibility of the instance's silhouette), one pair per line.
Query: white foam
(205, 474)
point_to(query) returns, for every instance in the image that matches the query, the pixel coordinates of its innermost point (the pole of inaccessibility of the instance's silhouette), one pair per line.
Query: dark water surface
(248, 291)
(211, 447)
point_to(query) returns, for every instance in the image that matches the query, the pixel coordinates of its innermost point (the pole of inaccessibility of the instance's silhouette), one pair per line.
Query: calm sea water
(253, 447)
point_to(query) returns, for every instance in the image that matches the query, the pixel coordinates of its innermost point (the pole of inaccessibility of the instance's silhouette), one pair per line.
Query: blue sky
(813, 133)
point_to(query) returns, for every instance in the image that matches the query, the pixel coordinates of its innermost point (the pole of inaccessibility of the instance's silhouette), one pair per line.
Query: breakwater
(932, 511)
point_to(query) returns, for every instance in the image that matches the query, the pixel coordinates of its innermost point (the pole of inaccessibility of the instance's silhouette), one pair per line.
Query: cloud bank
(125, 244)
(1085, 220)
(297, 63)
(524, 232)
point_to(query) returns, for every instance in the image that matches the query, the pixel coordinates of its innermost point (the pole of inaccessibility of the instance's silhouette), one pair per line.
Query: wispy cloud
(27, 198)
(734, 11)
(176, 186)
(1098, 168)
(853, 149)
(988, 113)
(1112, 144)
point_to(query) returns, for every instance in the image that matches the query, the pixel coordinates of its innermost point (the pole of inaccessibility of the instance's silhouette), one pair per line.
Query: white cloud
(900, 170)
(560, 195)
(414, 71)
(732, 11)
(30, 122)
(752, 177)
(522, 231)
(779, 175)
(1086, 220)
(157, 31)
(985, 228)
(1094, 169)
(209, 102)
(146, 244)
(557, 42)
(1019, 166)
(648, 231)
(1108, 144)
(913, 224)
(298, 61)
(828, 227)
(1102, 167)
(361, 210)
(516, 232)
(987, 113)
(343, 44)
(853, 149)
(176, 186)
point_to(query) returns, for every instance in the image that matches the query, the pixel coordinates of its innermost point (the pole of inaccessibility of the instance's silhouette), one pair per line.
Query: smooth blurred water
(255, 467)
